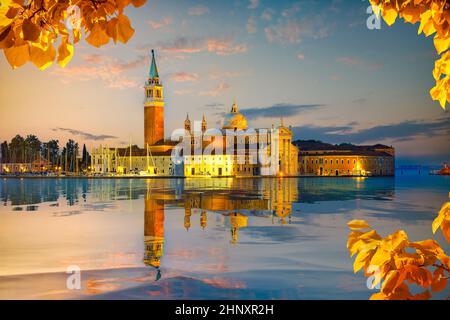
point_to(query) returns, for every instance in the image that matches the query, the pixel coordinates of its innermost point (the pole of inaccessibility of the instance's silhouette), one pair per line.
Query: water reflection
(280, 193)
(236, 200)
(232, 199)
(233, 238)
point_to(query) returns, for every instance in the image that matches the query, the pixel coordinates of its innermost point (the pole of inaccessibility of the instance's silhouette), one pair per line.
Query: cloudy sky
(314, 63)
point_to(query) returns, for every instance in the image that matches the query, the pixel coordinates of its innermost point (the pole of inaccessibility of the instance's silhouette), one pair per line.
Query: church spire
(153, 69)
(203, 124)
(234, 108)
(187, 124)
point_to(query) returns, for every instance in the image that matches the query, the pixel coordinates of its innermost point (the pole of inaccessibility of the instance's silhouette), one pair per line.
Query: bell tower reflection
(187, 216)
(237, 221)
(203, 219)
(153, 232)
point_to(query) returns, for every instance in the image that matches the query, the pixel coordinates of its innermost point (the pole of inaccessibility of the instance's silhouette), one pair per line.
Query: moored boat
(445, 171)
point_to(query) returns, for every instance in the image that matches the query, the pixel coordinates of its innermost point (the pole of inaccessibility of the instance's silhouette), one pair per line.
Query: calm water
(201, 238)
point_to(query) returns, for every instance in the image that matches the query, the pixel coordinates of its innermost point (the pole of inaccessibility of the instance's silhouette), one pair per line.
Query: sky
(314, 63)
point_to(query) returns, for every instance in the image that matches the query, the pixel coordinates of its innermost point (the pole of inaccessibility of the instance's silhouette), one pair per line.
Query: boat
(445, 171)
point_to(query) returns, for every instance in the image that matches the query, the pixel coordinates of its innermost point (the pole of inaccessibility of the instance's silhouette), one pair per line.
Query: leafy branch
(396, 262)
(30, 31)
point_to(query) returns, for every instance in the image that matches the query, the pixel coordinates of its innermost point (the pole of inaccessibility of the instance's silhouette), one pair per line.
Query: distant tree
(29, 30)
(63, 159)
(50, 151)
(5, 152)
(32, 147)
(86, 160)
(70, 155)
(17, 149)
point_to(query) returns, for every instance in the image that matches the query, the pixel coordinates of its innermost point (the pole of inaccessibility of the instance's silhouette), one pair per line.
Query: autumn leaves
(30, 32)
(434, 18)
(394, 261)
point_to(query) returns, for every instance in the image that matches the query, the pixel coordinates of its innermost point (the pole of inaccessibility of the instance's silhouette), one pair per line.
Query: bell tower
(187, 124)
(153, 107)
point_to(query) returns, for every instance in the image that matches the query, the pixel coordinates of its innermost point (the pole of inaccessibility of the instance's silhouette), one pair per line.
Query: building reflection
(237, 203)
(153, 231)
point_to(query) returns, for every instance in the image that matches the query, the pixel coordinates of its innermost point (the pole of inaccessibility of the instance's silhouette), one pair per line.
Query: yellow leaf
(76, 33)
(441, 43)
(421, 277)
(380, 258)
(361, 259)
(138, 3)
(358, 224)
(352, 238)
(426, 24)
(393, 279)
(445, 260)
(445, 227)
(411, 14)
(17, 56)
(7, 38)
(439, 280)
(439, 92)
(31, 32)
(437, 222)
(97, 37)
(378, 296)
(121, 4)
(427, 246)
(42, 58)
(396, 241)
(389, 15)
(421, 296)
(111, 29)
(12, 12)
(65, 52)
(376, 9)
(124, 29)
(443, 214)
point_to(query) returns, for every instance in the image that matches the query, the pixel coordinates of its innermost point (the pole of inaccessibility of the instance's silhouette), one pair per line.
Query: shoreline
(20, 177)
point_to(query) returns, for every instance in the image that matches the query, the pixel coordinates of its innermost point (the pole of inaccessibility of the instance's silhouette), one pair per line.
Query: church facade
(234, 150)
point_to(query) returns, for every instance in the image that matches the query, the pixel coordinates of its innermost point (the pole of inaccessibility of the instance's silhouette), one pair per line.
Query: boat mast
(130, 154)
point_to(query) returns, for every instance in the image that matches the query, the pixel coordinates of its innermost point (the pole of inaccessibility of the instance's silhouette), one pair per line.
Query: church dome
(234, 120)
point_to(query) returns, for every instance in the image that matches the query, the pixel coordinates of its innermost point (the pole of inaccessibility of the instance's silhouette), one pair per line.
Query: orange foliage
(396, 262)
(434, 18)
(30, 29)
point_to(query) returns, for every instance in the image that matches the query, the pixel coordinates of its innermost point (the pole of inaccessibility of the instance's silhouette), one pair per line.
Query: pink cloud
(300, 56)
(166, 21)
(225, 47)
(198, 11)
(216, 91)
(215, 74)
(213, 92)
(350, 61)
(292, 31)
(182, 92)
(183, 77)
(99, 67)
(335, 77)
(357, 62)
(251, 25)
(267, 14)
(253, 4)
(218, 46)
